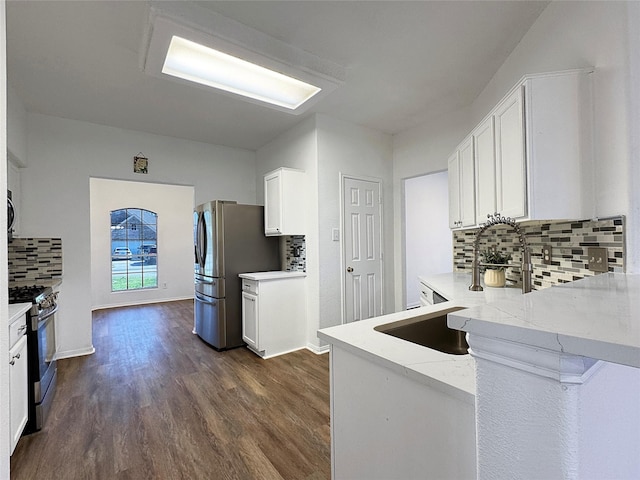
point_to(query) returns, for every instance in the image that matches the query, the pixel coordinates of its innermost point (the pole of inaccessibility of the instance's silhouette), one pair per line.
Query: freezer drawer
(211, 287)
(210, 320)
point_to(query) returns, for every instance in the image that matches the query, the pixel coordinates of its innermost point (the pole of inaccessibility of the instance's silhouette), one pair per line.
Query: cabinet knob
(349, 269)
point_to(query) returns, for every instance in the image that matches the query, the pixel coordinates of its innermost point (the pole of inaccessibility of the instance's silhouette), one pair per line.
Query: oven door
(44, 350)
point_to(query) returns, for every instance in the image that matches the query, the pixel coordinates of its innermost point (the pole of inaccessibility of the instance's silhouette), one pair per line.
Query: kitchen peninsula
(558, 380)
(400, 409)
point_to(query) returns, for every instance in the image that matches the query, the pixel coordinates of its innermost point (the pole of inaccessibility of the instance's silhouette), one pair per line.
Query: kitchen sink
(430, 331)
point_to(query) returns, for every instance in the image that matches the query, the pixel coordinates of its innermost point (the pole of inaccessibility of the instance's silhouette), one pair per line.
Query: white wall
(16, 128)
(424, 149)
(324, 147)
(427, 238)
(633, 226)
(173, 205)
(298, 148)
(62, 156)
(4, 314)
(566, 35)
(351, 150)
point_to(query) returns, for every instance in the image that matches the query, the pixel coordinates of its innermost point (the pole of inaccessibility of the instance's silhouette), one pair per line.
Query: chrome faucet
(497, 219)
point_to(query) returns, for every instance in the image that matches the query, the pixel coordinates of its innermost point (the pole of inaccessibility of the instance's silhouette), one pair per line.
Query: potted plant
(494, 262)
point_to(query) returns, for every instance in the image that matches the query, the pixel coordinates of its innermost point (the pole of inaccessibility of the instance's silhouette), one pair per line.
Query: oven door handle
(47, 315)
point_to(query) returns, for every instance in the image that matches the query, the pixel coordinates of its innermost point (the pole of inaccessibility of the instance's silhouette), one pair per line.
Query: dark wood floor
(155, 402)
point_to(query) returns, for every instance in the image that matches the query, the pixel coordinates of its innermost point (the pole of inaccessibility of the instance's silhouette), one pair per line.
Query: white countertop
(596, 317)
(452, 374)
(456, 286)
(16, 310)
(275, 275)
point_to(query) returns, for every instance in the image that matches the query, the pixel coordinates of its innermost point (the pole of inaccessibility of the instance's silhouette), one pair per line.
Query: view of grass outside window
(134, 249)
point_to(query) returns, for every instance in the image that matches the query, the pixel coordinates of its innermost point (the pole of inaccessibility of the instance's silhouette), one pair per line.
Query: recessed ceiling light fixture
(198, 63)
(188, 43)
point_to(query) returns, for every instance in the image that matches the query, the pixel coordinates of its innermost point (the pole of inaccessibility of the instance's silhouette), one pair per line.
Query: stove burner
(25, 294)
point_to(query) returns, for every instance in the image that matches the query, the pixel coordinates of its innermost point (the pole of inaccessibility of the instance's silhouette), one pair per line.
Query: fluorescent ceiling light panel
(194, 62)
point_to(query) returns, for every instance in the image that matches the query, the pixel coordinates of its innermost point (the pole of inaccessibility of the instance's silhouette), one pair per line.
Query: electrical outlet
(164, 285)
(547, 254)
(598, 260)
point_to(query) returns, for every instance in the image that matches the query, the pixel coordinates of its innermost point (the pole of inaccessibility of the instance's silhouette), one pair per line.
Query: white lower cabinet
(388, 424)
(18, 388)
(273, 312)
(250, 319)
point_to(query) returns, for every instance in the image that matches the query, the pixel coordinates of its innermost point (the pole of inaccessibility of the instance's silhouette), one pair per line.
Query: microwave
(11, 216)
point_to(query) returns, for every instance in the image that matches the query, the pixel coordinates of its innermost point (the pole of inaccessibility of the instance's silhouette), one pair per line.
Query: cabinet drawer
(250, 286)
(426, 295)
(17, 329)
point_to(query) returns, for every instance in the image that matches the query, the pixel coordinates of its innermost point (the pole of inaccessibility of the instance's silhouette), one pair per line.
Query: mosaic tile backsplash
(569, 240)
(33, 259)
(295, 254)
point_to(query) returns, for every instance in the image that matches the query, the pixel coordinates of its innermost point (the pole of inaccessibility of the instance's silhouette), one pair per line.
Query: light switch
(335, 235)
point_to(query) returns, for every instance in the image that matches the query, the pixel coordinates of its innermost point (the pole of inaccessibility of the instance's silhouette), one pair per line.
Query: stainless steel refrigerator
(229, 240)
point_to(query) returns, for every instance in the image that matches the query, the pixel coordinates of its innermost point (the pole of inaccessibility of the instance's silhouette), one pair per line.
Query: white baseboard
(140, 302)
(318, 350)
(75, 353)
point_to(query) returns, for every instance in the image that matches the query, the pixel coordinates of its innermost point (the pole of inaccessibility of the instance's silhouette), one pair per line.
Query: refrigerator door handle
(202, 240)
(199, 240)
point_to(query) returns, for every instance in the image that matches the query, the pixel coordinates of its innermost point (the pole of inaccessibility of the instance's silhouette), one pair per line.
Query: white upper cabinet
(14, 183)
(510, 180)
(559, 145)
(462, 211)
(467, 185)
(454, 190)
(284, 202)
(532, 153)
(485, 157)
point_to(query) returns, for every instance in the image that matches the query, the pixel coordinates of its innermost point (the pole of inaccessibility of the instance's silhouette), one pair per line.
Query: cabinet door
(467, 184)
(250, 320)
(18, 400)
(454, 190)
(273, 204)
(14, 184)
(485, 156)
(511, 190)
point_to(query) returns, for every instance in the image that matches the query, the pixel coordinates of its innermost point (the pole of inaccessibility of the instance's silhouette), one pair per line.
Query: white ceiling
(406, 62)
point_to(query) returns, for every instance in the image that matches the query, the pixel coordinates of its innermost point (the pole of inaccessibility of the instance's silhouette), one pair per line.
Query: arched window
(134, 249)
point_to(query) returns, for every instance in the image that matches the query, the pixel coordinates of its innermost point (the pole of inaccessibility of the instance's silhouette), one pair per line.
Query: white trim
(563, 367)
(318, 350)
(140, 302)
(379, 181)
(75, 353)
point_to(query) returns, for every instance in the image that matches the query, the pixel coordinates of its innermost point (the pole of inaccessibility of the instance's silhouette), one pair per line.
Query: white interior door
(362, 248)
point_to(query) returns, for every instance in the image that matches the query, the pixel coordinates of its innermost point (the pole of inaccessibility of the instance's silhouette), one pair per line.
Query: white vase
(494, 278)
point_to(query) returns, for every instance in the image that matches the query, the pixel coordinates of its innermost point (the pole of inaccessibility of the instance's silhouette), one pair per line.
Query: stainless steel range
(41, 347)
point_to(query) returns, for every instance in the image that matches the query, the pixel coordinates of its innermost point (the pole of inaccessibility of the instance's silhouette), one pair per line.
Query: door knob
(349, 269)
